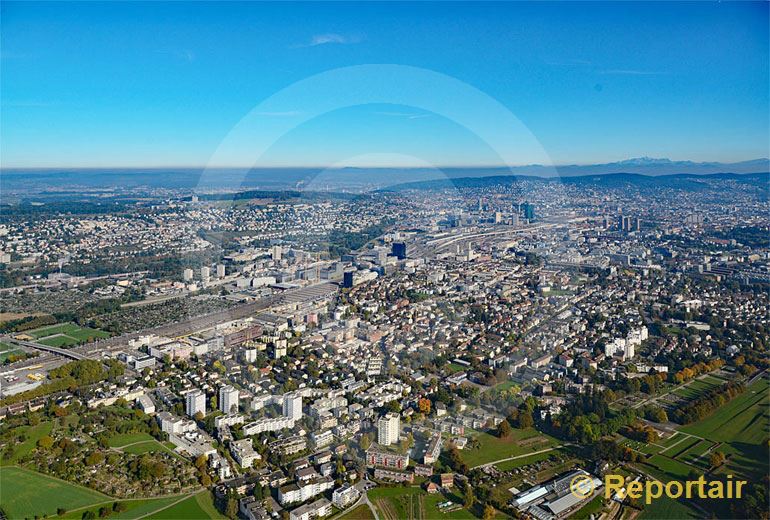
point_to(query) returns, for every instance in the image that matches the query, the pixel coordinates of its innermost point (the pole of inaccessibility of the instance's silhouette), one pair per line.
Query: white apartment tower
(196, 402)
(228, 399)
(292, 405)
(220, 270)
(388, 428)
(205, 273)
(187, 275)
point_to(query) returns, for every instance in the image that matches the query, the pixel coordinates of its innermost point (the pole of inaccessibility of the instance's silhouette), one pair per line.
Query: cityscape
(585, 339)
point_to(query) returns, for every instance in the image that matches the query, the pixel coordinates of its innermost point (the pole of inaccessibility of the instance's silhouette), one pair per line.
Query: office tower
(276, 253)
(292, 405)
(220, 270)
(187, 275)
(398, 249)
(388, 428)
(196, 402)
(347, 279)
(528, 210)
(228, 399)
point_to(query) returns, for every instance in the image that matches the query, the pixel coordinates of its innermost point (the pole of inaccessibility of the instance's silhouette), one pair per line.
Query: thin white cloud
(330, 38)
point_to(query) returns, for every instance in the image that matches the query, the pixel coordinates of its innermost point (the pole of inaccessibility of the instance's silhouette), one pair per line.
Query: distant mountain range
(682, 181)
(32, 181)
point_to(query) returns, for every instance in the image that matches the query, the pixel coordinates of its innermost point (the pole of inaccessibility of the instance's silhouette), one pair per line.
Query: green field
(492, 448)
(134, 508)
(65, 335)
(6, 350)
(697, 387)
(666, 508)
(742, 425)
(32, 434)
(139, 443)
(361, 512)
(199, 506)
(414, 503)
(524, 461)
(25, 493)
(593, 507)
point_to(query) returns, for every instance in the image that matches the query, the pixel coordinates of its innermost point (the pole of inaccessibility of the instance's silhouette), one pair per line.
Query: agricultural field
(412, 503)
(25, 493)
(739, 430)
(362, 512)
(65, 335)
(492, 448)
(697, 387)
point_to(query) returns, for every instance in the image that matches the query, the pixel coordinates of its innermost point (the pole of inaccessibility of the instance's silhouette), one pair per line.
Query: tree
(201, 462)
(88, 515)
(525, 419)
(424, 405)
(61, 511)
(504, 430)
(716, 459)
(469, 498)
(231, 510)
(489, 512)
(366, 441)
(258, 492)
(45, 442)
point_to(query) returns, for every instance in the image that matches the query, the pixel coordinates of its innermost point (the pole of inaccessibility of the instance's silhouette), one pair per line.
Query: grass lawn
(33, 434)
(124, 439)
(134, 508)
(593, 507)
(697, 387)
(742, 425)
(517, 463)
(665, 508)
(505, 385)
(361, 512)
(492, 448)
(25, 493)
(195, 507)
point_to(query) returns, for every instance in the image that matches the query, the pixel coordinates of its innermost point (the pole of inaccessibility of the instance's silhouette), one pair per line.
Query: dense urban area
(430, 350)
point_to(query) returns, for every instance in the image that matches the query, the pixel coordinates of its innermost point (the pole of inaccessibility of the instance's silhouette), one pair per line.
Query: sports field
(65, 335)
(25, 493)
(492, 448)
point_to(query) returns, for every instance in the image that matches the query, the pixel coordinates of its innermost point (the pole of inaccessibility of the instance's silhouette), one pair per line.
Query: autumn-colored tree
(716, 459)
(424, 405)
(489, 512)
(45, 442)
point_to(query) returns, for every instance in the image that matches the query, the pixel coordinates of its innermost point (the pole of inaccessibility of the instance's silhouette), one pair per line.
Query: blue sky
(162, 84)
